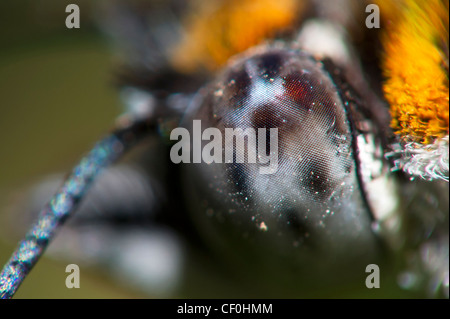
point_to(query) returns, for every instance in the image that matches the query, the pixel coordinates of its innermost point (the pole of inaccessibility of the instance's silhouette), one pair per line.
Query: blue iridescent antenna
(64, 203)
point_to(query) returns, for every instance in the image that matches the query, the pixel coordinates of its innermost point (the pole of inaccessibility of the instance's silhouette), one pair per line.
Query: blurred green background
(56, 100)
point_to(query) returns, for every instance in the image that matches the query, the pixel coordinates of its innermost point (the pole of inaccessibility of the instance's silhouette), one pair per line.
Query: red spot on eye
(299, 89)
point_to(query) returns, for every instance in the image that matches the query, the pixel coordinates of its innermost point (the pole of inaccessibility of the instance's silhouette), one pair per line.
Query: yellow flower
(219, 29)
(416, 68)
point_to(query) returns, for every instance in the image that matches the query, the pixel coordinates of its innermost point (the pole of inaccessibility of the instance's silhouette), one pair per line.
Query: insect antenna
(65, 201)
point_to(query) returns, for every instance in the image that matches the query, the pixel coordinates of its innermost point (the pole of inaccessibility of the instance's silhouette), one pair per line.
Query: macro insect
(362, 153)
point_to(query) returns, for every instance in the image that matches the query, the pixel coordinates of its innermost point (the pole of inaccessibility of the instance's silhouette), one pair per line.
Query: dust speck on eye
(262, 226)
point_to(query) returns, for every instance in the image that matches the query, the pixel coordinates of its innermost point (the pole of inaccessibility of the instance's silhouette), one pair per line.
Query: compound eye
(300, 89)
(239, 86)
(306, 182)
(289, 91)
